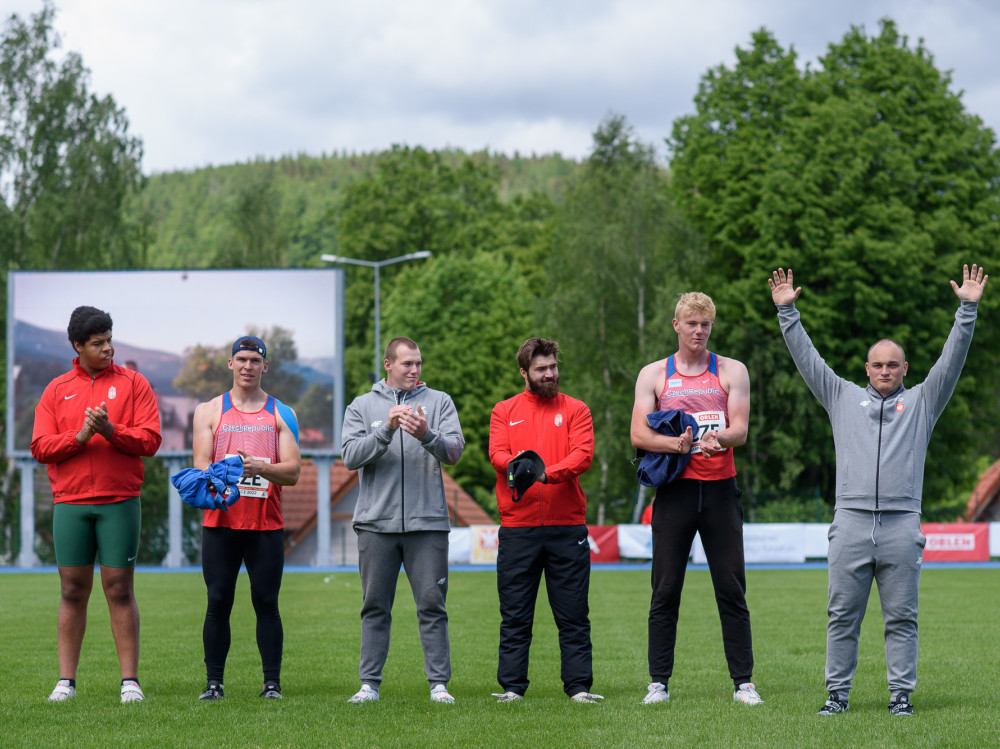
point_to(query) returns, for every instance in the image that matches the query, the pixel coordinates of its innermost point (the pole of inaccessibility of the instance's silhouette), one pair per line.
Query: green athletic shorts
(108, 533)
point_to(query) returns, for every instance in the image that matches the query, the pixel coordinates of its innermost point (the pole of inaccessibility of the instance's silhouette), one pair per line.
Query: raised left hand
(973, 283)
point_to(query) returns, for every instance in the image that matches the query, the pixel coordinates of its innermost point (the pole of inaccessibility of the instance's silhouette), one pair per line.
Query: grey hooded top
(881, 442)
(400, 476)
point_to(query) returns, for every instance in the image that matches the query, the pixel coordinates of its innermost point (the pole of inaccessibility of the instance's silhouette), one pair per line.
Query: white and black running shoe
(833, 705)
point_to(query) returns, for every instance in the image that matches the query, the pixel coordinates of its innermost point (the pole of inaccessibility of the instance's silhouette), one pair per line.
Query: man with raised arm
(264, 432)
(880, 434)
(704, 499)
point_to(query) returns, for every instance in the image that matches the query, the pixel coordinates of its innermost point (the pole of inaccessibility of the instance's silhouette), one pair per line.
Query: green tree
(620, 252)
(258, 237)
(468, 314)
(416, 200)
(67, 159)
(869, 178)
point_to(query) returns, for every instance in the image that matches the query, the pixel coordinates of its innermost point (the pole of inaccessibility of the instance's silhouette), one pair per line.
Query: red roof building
(298, 507)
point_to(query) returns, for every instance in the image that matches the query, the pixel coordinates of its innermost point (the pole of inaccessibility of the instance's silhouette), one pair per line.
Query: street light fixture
(376, 265)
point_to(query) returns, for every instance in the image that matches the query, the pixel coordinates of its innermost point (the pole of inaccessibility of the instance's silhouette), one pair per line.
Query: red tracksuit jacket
(561, 431)
(101, 470)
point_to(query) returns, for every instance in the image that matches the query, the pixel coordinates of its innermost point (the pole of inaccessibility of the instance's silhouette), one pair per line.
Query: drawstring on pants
(876, 519)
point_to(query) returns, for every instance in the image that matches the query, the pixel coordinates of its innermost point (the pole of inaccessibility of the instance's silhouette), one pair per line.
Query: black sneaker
(212, 692)
(833, 705)
(901, 705)
(271, 691)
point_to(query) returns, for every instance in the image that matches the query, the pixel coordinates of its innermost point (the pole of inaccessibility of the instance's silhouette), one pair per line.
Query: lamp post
(376, 265)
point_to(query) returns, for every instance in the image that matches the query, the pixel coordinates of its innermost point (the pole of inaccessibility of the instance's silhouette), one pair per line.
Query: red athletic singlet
(259, 505)
(703, 397)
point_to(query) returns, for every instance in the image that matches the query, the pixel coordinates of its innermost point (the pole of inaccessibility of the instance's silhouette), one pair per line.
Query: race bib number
(714, 420)
(253, 486)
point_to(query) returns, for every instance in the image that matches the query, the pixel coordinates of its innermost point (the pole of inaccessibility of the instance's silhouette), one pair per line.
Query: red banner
(603, 543)
(956, 542)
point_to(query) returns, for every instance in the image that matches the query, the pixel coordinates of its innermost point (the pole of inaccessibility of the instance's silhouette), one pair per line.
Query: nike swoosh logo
(515, 423)
(261, 417)
(67, 397)
(131, 558)
(581, 542)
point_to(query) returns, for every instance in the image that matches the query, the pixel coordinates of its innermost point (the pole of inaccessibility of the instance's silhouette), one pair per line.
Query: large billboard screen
(177, 328)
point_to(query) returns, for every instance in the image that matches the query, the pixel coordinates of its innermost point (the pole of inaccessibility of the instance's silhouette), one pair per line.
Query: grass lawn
(956, 700)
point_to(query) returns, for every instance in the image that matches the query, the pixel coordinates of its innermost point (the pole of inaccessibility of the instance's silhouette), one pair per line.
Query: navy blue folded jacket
(215, 488)
(657, 469)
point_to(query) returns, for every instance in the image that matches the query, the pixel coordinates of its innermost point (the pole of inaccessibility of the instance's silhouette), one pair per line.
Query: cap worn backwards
(250, 343)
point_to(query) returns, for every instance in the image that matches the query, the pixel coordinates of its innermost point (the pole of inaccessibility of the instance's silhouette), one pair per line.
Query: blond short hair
(695, 301)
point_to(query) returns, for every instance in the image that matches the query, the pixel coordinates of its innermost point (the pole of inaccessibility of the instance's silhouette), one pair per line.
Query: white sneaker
(365, 694)
(507, 697)
(586, 698)
(62, 692)
(656, 693)
(132, 692)
(439, 693)
(747, 694)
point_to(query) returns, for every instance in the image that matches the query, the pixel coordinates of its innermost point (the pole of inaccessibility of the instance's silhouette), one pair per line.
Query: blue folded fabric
(657, 469)
(215, 488)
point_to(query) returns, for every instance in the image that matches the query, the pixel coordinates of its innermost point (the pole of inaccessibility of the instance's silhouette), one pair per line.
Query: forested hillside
(285, 212)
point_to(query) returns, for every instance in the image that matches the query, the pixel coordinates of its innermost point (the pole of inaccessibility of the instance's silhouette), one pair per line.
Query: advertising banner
(603, 543)
(635, 541)
(176, 327)
(956, 542)
(484, 544)
(459, 546)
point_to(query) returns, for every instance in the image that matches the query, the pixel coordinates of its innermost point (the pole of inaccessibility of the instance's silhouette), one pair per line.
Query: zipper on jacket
(399, 398)
(878, 453)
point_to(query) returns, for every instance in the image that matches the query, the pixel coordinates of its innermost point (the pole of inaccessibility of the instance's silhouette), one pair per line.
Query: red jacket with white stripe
(101, 470)
(561, 431)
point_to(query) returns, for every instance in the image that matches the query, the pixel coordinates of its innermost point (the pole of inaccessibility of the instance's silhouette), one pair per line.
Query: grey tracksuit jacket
(400, 476)
(881, 443)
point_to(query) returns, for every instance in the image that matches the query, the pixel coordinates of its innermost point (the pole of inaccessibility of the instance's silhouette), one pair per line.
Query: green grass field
(956, 700)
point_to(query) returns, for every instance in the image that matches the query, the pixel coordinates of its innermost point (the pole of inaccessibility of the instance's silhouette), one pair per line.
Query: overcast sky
(220, 81)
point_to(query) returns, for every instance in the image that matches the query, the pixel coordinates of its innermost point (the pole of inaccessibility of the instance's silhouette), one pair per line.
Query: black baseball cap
(250, 343)
(523, 470)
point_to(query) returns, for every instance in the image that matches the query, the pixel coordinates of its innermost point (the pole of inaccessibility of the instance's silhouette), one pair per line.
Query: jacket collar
(878, 396)
(81, 372)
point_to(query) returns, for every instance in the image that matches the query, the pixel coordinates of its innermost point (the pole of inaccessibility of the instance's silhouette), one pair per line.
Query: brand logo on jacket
(864, 403)
(112, 392)
(376, 424)
(558, 420)
(899, 407)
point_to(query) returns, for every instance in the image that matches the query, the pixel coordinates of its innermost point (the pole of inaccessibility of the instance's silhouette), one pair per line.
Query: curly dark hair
(86, 322)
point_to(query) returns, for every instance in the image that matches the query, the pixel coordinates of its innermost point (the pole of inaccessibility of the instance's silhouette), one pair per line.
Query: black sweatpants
(222, 552)
(711, 508)
(562, 552)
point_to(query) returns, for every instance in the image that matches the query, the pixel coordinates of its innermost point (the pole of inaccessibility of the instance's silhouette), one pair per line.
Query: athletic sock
(68, 683)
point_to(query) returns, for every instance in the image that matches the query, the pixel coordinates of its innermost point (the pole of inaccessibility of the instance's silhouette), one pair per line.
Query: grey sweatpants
(424, 557)
(887, 547)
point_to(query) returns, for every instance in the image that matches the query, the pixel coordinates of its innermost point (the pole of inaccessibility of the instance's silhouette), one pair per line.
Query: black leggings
(712, 508)
(222, 552)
